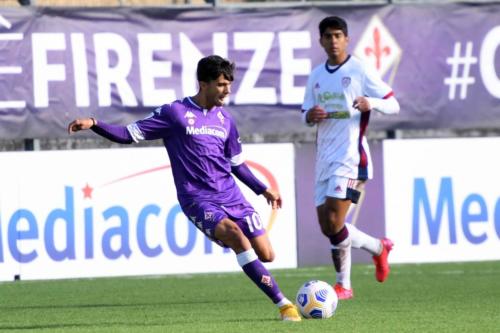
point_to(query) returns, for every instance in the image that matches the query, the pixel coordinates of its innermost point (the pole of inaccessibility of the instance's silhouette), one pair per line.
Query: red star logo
(87, 191)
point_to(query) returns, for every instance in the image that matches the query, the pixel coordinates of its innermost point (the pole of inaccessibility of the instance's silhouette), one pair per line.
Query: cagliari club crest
(346, 81)
(378, 47)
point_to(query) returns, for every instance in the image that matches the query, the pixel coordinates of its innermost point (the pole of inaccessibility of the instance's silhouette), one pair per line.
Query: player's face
(335, 42)
(217, 91)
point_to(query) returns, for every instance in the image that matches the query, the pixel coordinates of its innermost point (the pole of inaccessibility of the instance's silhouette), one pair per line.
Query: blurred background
(434, 190)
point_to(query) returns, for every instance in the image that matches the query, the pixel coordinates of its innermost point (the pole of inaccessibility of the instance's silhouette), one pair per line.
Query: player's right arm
(312, 113)
(150, 128)
(81, 124)
(315, 115)
(114, 133)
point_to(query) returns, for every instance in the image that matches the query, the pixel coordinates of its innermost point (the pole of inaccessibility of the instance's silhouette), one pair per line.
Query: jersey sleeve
(232, 148)
(373, 85)
(243, 173)
(153, 127)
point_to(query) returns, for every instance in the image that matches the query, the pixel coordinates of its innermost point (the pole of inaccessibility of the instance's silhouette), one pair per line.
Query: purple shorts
(207, 215)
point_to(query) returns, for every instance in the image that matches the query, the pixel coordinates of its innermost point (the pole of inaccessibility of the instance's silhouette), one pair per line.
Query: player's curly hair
(333, 22)
(211, 67)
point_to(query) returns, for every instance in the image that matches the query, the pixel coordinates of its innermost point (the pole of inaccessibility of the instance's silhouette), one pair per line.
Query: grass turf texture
(457, 297)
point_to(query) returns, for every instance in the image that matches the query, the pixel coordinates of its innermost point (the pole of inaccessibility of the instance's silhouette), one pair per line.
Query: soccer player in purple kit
(204, 148)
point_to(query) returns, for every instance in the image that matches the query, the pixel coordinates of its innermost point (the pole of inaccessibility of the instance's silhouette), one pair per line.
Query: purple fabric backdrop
(117, 64)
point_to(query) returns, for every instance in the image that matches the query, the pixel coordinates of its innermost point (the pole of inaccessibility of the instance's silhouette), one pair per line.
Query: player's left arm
(378, 95)
(243, 173)
(386, 105)
(233, 151)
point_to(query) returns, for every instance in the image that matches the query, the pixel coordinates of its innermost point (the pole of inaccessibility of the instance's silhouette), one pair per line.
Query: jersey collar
(190, 101)
(331, 71)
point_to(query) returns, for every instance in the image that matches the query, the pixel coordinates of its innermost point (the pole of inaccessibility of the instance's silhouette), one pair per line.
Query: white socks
(344, 258)
(246, 257)
(284, 301)
(361, 240)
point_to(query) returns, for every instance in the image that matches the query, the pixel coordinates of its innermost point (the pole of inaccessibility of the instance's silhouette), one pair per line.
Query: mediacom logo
(119, 215)
(57, 233)
(206, 130)
(24, 226)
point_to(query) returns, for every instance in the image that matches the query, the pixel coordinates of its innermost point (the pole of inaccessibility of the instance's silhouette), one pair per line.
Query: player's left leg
(262, 246)
(249, 261)
(360, 239)
(378, 248)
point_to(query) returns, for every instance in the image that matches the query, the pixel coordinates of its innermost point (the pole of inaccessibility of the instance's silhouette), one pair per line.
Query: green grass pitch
(455, 297)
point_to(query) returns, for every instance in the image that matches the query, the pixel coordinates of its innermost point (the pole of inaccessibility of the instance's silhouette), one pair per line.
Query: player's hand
(273, 198)
(316, 114)
(80, 124)
(361, 103)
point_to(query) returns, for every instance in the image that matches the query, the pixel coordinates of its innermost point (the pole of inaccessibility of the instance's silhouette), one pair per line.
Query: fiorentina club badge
(266, 279)
(346, 81)
(209, 216)
(221, 117)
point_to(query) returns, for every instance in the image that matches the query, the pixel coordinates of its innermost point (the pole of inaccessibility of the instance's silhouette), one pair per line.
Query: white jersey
(342, 148)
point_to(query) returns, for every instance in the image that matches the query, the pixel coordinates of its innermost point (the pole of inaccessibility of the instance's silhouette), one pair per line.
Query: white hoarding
(442, 199)
(114, 212)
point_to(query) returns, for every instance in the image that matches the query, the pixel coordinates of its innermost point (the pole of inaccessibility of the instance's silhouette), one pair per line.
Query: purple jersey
(202, 146)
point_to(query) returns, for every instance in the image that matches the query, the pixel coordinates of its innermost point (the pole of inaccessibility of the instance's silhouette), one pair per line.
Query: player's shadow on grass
(68, 325)
(126, 324)
(111, 305)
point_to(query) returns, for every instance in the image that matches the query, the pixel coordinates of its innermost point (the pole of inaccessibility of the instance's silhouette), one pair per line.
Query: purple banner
(443, 62)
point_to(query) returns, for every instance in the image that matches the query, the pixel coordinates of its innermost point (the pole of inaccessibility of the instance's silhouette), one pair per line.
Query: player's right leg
(333, 198)
(331, 217)
(231, 235)
(262, 246)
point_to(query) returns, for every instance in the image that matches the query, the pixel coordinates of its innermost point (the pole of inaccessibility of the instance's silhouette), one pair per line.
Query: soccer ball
(317, 299)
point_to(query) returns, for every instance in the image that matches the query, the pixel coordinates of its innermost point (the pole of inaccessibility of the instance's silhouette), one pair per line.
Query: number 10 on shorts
(254, 222)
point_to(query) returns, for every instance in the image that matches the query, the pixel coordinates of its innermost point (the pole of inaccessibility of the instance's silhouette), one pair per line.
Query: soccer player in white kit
(340, 95)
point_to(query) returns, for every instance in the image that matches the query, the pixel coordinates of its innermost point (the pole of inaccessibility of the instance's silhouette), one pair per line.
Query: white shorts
(338, 187)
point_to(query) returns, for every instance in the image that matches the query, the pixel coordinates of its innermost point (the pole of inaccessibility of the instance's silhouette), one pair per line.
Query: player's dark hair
(211, 67)
(333, 22)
